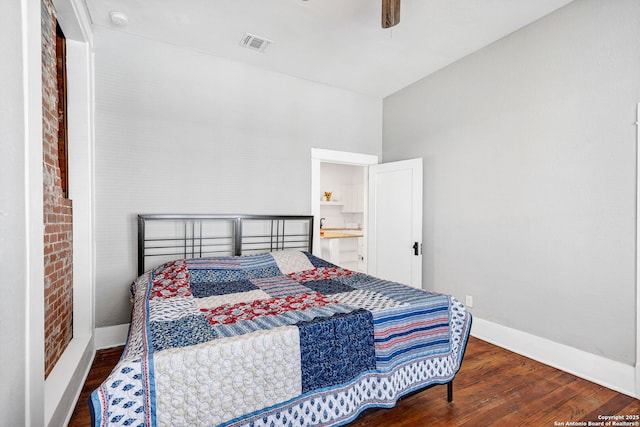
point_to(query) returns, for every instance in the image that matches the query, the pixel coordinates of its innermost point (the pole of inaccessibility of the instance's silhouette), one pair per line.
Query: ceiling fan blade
(390, 13)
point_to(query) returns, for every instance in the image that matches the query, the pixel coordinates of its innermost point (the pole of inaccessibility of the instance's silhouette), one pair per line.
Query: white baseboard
(637, 375)
(111, 336)
(64, 384)
(606, 372)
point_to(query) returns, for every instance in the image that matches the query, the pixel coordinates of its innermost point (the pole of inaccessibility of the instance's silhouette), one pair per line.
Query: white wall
(529, 154)
(182, 132)
(345, 182)
(21, 229)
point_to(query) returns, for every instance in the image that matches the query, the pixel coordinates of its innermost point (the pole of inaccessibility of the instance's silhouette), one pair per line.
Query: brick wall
(58, 238)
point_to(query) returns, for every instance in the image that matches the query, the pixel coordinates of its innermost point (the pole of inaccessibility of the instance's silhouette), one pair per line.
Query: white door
(395, 221)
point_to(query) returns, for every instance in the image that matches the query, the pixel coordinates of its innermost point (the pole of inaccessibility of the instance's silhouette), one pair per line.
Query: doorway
(343, 238)
(345, 213)
(391, 217)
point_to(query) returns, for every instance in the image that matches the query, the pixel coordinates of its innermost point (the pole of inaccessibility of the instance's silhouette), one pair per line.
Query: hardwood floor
(103, 363)
(494, 387)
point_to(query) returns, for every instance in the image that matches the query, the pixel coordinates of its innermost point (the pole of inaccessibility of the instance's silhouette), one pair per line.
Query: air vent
(254, 42)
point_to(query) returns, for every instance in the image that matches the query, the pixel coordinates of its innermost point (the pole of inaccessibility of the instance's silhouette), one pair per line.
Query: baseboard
(600, 370)
(64, 384)
(638, 376)
(111, 336)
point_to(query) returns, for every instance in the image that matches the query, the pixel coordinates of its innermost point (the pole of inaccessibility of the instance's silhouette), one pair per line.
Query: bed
(238, 324)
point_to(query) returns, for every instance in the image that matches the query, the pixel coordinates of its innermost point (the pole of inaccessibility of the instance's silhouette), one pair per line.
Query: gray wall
(182, 132)
(529, 154)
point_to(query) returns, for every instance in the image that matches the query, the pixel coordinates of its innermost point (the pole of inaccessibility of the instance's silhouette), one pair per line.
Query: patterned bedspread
(277, 339)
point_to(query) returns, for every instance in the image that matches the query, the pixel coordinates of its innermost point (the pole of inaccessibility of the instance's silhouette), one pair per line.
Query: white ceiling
(335, 42)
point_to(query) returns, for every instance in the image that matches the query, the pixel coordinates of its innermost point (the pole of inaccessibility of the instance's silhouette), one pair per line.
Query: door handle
(415, 248)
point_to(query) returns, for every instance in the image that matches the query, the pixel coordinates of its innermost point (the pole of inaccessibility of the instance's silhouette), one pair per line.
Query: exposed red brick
(57, 210)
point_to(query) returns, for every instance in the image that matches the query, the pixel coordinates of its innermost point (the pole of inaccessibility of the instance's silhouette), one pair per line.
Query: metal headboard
(165, 237)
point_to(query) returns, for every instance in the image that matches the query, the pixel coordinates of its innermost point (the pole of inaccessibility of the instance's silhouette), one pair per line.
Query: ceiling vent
(254, 42)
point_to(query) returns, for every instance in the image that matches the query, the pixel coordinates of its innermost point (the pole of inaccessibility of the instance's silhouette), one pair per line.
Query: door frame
(319, 155)
(66, 379)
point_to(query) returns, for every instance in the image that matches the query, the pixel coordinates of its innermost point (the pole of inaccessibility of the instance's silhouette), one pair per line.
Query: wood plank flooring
(494, 387)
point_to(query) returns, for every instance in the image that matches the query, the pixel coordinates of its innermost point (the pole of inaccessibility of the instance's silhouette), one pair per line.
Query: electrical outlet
(469, 301)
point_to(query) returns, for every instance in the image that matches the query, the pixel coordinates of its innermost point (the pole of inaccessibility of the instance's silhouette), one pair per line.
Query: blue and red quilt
(276, 339)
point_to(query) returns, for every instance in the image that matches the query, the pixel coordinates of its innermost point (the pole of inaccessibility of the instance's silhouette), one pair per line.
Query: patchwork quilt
(276, 339)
